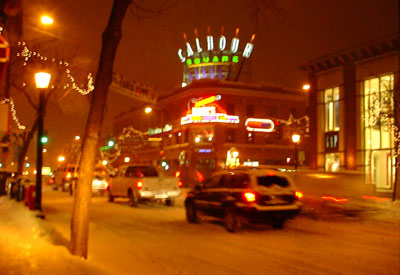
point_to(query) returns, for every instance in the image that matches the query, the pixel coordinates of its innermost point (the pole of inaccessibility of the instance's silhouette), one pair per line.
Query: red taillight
(180, 183)
(299, 195)
(177, 174)
(139, 184)
(249, 197)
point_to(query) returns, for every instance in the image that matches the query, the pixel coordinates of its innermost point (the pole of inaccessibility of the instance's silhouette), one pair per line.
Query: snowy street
(156, 239)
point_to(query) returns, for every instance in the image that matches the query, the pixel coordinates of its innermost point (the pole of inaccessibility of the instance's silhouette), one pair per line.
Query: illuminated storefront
(352, 112)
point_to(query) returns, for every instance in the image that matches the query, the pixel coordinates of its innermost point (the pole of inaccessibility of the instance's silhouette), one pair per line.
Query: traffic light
(110, 143)
(278, 133)
(44, 139)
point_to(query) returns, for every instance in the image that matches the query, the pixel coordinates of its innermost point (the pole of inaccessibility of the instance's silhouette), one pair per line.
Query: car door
(212, 194)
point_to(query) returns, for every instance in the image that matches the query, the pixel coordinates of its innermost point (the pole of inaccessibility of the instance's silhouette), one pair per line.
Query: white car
(142, 182)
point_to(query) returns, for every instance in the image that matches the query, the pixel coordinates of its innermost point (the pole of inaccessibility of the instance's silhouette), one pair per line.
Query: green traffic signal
(44, 139)
(110, 143)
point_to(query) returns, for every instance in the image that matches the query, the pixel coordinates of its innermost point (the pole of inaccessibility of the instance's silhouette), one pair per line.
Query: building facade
(352, 111)
(211, 124)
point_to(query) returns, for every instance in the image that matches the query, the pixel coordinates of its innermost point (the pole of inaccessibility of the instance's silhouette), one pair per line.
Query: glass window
(215, 181)
(378, 119)
(141, 171)
(239, 181)
(332, 163)
(268, 181)
(331, 101)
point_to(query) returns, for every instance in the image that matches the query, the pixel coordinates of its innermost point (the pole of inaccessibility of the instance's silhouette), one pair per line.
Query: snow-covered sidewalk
(29, 246)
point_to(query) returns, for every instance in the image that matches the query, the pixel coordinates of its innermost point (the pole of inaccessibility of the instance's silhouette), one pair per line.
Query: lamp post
(296, 140)
(42, 83)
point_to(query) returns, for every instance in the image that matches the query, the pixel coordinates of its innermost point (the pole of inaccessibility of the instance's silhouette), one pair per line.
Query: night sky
(148, 49)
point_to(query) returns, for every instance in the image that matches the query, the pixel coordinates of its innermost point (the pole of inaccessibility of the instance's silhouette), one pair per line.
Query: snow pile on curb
(26, 245)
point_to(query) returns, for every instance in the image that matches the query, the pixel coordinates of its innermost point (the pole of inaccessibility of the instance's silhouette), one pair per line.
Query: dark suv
(252, 195)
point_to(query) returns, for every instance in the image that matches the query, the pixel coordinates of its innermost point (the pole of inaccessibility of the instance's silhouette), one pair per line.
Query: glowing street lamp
(42, 80)
(61, 159)
(306, 87)
(296, 140)
(148, 110)
(46, 20)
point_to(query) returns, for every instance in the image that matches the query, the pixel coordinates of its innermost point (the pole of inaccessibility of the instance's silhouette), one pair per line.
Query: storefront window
(331, 101)
(378, 119)
(332, 162)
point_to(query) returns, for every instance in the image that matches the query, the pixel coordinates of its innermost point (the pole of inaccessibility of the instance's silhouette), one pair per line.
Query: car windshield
(267, 181)
(141, 171)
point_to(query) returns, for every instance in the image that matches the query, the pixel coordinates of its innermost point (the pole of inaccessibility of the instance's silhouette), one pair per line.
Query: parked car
(99, 184)
(245, 195)
(142, 182)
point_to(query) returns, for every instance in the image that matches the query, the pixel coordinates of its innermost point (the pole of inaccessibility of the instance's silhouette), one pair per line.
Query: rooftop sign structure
(214, 58)
(206, 111)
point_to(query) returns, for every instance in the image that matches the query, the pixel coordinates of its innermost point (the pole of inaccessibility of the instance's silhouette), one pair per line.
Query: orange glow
(270, 173)
(299, 195)
(177, 174)
(375, 198)
(250, 197)
(338, 200)
(180, 183)
(139, 184)
(69, 175)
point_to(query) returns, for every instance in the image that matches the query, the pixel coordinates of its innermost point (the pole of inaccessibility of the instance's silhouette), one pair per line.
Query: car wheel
(110, 196)
(231, 219)
(133, 200)
(191, 213)
(277, 222)
(170, 202)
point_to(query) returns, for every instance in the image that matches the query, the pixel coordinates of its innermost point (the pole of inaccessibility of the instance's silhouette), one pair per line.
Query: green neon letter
(189, 61)
(215, 59)
(235, 59)
(197, 60)
(225, 58)
(206, 59)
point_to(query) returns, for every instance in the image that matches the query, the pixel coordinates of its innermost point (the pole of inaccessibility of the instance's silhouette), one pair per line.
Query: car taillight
(139, 184)
(177, 174)
(299, 195)
(180, 183)
(249, 197)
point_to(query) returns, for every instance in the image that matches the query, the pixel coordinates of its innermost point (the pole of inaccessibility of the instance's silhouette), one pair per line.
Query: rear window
(267, 181)
(141, 171)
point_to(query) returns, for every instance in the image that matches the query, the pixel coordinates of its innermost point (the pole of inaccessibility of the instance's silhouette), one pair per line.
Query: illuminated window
(332, 163)
(331, 101)
(377, 119)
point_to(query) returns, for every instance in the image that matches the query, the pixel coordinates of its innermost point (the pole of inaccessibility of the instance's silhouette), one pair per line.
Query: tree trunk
(26, 141)
(80, 213)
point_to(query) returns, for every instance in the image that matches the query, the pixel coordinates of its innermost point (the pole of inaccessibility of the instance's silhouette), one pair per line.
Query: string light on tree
(26, 54)
(13, 112)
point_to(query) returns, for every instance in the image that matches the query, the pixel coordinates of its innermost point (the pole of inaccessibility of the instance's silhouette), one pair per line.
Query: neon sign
(200, 113)
(216, 58)
(259, 125)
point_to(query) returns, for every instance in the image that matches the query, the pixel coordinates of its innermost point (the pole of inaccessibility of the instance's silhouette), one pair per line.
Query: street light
(296, 140)
(46, 20)
(42, 80)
